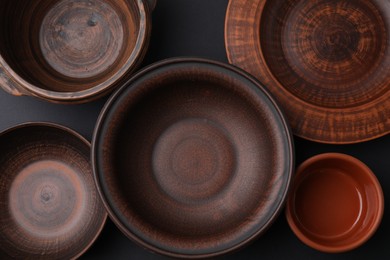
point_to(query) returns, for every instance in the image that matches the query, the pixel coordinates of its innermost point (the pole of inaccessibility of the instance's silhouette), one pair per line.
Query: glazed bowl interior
(68, 46)
(336, 203)
(49, 205)
(192, 159)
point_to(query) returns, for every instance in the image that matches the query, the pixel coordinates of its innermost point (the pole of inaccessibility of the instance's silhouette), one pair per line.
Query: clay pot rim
(101, 121)
(81, 138)
(98, 90)
(365, 237)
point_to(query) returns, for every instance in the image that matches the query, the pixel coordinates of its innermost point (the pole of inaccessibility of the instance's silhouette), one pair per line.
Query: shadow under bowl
(49, 205)
(336, 203)
(192, 158)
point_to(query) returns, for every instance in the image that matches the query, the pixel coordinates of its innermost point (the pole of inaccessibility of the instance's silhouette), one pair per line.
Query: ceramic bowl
(336, 203)
(326, 62)
(49, 205)
(70, 51)
(192, 158)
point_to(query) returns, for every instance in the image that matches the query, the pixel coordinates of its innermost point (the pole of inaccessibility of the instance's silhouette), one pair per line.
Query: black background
(196, 28)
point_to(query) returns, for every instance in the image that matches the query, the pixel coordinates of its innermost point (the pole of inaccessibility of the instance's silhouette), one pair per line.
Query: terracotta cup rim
(297, 228)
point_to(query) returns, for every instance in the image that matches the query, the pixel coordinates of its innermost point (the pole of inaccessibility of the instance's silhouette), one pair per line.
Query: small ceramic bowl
(71, 51)
(49, 205)
(336, 203)
(192, 158)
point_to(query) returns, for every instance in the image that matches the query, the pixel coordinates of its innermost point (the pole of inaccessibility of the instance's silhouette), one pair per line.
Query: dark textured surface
(196, 27)
(325, 61)
(49, 207)
(192, 158)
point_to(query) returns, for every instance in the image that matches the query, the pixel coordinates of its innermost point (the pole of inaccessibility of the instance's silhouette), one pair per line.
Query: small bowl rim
(81, 138)
(320, 246)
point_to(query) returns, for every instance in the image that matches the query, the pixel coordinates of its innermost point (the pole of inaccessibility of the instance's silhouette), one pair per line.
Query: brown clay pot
(192, 158)
(49, 205)
(71, 51)
(326, 62)
(336, 203)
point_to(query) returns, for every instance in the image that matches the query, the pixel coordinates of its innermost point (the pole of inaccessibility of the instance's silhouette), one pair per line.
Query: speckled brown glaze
(49, 205)
(192, 158)
(327, 62)
(336, 203)
(70, 50)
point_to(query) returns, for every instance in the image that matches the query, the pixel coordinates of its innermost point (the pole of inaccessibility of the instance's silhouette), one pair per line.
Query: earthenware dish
(192, 158)
(71, 51)
(49, 205)
(336, 203)
(326, 62)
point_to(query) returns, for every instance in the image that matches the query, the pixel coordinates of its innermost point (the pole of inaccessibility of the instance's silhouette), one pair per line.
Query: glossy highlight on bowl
(193, 158)
(336, 203)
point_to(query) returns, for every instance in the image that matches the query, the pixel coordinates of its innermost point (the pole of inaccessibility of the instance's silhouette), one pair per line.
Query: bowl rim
(81, 138)
(250, 34)
(97, 173)
(290, 201)
(27, 88)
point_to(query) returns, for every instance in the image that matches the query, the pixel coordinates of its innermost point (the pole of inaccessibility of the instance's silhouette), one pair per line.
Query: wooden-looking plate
(49, 206)
(326, 62)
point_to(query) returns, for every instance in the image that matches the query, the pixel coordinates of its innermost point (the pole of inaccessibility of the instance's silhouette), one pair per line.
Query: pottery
(71, 51)
(336, 203)
(326, 62)
(49, 205)
(192, 158)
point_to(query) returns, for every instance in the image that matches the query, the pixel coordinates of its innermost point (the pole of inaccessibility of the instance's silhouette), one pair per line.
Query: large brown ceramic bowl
(70, 50)
(326, 61)
(49, 205)
(192, 158)
(336, 203)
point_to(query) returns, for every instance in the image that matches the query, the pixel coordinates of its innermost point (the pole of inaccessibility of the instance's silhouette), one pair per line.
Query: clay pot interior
(49, 205)
(70, 46)
(336, 203)
(326, 62)
(192, 158)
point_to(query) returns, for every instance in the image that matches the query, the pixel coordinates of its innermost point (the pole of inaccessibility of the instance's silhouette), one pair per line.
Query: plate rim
(293, 112)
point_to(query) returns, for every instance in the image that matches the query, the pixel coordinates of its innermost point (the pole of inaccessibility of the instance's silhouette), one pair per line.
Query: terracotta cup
(71, 51)
(336, 203)
(49, 205)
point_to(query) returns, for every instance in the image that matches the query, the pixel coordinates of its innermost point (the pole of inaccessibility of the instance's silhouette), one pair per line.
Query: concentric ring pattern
(327, 62)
